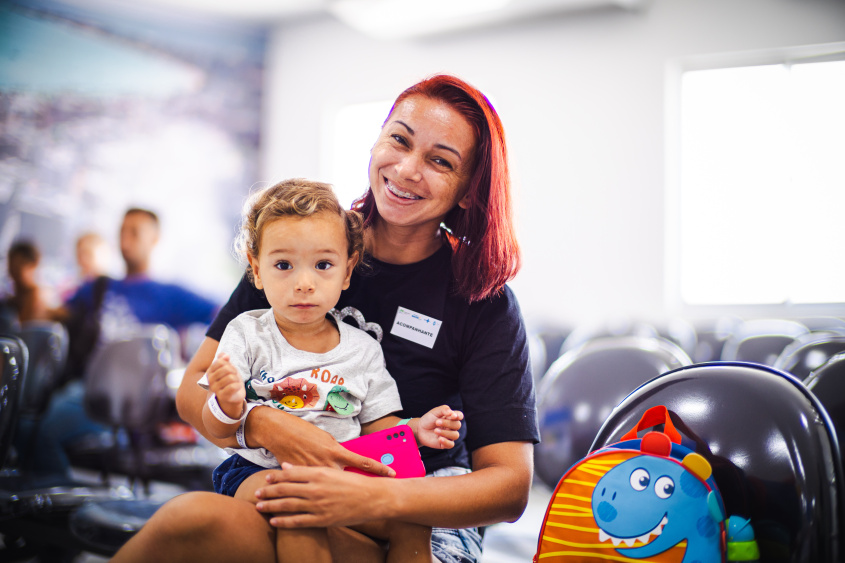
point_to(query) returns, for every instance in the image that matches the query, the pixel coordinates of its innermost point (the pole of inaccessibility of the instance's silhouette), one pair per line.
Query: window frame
(675, 70)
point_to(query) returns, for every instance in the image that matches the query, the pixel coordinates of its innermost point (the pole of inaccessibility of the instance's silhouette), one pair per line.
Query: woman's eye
(324, 265)
(284, 265)
(443, 162)
(399, 139)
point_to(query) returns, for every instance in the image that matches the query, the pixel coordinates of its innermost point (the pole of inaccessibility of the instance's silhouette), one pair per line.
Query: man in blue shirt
(118, 309)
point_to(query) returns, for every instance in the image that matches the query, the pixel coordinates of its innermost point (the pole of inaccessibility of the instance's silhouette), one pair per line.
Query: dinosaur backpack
(639, 498)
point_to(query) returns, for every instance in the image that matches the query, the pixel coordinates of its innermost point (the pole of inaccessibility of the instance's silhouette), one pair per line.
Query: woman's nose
(409, 167)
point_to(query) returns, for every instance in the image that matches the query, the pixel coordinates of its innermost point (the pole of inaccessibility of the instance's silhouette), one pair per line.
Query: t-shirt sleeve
(234, 343)
(496, 385)
(244, 298)
(188, 307)
(382, 394)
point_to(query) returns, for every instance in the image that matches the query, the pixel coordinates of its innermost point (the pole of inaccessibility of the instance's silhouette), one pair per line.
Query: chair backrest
(47, 343)
(582, 387)
(761, 340)
(771, 444)
(13, 364)
(711, 335)
(614, 328)
(809, 352)
(125, 383)
(537, 355)
(824, 324)
(681, 332)
(827, 382)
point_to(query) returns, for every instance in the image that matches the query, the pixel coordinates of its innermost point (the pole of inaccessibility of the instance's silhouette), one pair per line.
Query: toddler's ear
(350, 266)
(256, 276)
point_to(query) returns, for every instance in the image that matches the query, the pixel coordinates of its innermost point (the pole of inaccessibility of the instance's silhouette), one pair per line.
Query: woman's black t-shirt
(439, 348)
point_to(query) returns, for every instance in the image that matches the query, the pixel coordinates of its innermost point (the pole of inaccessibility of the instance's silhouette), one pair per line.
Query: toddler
(302, 247)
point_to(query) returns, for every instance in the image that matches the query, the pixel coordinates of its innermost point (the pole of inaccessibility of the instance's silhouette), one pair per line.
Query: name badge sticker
(415, 327)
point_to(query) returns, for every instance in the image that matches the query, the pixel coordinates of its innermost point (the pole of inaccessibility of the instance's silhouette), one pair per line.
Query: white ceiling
(385, 18)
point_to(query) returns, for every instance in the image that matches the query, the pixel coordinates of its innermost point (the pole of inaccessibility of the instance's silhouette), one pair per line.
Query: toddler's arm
(438, 428)
(229, 393)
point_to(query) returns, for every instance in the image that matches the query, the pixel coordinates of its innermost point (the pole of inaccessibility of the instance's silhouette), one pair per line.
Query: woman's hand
(299, 442)
(496, 491)
(305, 497)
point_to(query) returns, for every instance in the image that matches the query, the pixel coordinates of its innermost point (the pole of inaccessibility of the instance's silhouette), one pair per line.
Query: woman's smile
(398, 192)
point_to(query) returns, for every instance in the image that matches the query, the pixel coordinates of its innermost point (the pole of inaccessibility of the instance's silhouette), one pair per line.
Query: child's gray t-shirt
(337, 390)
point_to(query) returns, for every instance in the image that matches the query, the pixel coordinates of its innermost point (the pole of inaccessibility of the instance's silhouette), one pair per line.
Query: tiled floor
(517, 542)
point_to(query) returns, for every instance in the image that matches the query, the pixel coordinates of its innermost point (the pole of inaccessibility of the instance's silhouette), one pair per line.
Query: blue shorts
(447, 545)
(229, 475)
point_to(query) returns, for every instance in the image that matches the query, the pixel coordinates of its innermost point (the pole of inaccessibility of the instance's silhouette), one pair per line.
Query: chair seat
(103, 527)
(23, 495)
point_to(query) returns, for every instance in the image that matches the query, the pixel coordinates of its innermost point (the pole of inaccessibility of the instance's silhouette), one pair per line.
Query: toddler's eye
(284, 265)
(324, 265)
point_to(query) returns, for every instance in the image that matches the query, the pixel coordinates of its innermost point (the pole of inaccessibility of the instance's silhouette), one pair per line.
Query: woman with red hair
(440, 247)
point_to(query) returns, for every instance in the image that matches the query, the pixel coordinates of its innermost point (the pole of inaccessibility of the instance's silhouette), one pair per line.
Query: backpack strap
(655, 416)
(99, 291)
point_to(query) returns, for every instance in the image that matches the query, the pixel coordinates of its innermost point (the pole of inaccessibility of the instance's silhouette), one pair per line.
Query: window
(756, 179)
(352, 131)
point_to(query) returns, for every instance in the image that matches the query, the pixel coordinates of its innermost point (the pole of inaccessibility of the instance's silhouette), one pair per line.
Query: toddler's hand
(226, 384)
(438, 428)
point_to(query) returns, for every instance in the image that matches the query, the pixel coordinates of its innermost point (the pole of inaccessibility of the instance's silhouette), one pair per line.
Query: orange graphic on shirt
(295, 393)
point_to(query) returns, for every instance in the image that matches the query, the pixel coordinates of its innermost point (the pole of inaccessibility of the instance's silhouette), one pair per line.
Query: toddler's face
(302, 266)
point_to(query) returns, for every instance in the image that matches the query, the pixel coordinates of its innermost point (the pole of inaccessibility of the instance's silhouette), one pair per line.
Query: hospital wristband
(218, 413)
(240, 433)
(403, 421)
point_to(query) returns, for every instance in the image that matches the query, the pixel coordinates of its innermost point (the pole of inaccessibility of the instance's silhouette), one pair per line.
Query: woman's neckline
(380, 245)
(436, 256)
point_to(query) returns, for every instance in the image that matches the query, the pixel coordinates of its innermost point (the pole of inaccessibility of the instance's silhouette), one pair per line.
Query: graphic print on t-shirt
(302, 391)
(295, 393)
(338, 401)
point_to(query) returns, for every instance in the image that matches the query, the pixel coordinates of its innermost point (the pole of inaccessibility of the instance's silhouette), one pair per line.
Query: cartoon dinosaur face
(651, 504)
(295, 393)
(337, 401)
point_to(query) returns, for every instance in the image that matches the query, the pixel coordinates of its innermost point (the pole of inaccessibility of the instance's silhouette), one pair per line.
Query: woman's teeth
(396, 191)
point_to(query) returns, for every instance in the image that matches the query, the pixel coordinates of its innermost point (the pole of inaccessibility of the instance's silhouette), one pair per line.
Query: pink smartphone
(395, 447)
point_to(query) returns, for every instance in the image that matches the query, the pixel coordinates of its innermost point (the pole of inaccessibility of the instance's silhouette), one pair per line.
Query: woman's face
(421, 163)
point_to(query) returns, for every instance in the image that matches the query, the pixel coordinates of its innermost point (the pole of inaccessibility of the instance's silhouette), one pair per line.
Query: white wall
(582, 100)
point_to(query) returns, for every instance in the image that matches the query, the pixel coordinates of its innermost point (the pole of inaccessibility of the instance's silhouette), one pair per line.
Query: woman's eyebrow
(438, 145)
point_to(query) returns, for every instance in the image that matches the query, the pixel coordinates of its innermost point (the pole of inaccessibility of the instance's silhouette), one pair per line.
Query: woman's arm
(496, 491)
(288, 437)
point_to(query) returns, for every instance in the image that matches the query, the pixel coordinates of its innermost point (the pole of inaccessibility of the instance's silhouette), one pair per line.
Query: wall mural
(100, 113)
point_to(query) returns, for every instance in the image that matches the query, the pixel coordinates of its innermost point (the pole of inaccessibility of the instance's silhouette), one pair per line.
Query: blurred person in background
(28, 300)
(101, 311)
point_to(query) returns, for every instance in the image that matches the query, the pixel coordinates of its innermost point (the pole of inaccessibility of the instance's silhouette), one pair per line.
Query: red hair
(485, 252)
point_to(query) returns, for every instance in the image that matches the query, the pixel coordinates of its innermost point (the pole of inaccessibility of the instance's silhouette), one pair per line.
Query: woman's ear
(464, 203)
(256, 276)
(350, 266)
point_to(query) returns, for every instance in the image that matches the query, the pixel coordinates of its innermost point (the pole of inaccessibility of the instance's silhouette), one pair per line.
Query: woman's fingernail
(259, 506)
